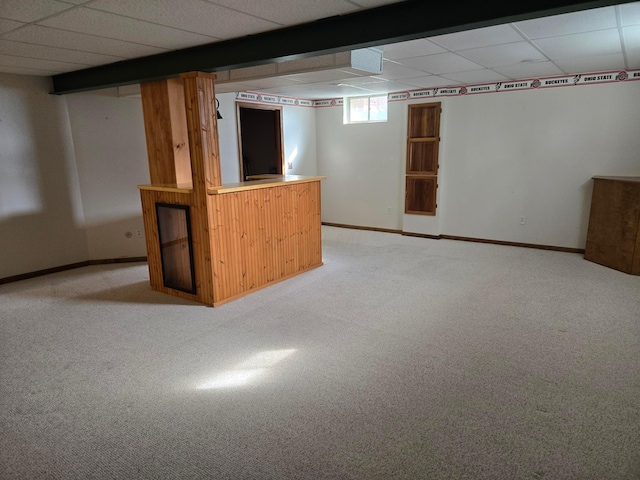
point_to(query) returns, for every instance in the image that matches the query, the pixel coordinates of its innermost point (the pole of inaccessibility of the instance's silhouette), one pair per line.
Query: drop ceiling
(48, 37)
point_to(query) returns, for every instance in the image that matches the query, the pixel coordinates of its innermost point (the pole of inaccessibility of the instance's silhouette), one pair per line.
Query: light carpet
(400, 358)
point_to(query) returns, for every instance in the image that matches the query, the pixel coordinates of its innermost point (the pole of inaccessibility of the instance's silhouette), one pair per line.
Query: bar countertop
(272, 181)
(265, 182)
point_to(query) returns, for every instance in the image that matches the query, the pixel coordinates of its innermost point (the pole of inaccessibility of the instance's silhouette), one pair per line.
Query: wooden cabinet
(613, 237)
(423, 139)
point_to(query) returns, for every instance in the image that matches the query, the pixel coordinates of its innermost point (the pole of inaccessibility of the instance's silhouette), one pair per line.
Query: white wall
(364, 165)
(41, 219)
(533, 154)
(228, 138)
(111, 154)
(299, 140)
(502, 156)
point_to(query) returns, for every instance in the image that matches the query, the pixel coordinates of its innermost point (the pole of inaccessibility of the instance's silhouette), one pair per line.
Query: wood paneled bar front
(242, 236)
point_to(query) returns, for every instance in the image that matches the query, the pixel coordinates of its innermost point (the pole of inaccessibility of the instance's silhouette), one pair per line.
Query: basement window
(365, 109)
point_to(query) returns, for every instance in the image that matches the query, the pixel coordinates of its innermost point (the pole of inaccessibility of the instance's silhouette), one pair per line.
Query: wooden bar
(240, 237)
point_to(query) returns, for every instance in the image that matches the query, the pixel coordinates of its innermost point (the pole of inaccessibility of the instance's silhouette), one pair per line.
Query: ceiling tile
(8, 25)
(630, 13)
(193, 16)
(476, 76)
(430, 81)
(441, 63)
(631, 38)
(44, 52)
(412, 48)
(632, 45)
(395, 71)
(290, 12)
(480, 37)
(233, 87)
(391, 87)
(568, 23)
(503, 55)
(633, 58)
(603, 42)
(592, 64)
(32, 10)
(28, 71)
(364, 81)
(92, 22)
(36, 63)
(529, 70)
(78, 41)
(271, 82)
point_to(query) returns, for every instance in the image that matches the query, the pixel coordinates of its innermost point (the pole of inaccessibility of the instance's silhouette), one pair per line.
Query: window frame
(346, 116)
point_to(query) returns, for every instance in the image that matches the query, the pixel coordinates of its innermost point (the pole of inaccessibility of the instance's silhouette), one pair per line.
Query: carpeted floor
(400, 358)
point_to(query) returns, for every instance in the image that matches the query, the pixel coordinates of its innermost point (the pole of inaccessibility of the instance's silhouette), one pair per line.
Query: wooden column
(202, 127)
(202, 124)
(166, 131)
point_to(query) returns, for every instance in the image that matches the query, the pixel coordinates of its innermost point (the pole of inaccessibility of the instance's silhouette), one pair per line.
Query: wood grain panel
(175, 247)
(421, 195)
(612, 235)
(422, 157)
(200, 103)
(166, 131)
(263, 236)
(424, 120)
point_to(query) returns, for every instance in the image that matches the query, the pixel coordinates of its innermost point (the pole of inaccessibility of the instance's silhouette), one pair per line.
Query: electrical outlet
(138, 232)
(522, 220)
(388, 209)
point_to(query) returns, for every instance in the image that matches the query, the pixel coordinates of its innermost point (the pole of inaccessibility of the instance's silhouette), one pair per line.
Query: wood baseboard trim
(71, 266)
(105, 261)
(421, 235)
(462, 239)
(359, 227)
(514, 244)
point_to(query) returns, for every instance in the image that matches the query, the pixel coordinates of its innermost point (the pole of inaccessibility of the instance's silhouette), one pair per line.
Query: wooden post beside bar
(244, 236)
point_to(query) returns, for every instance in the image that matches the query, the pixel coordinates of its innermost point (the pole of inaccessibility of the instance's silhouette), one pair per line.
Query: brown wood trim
(462, 239)
(279, 138)
(514, 244)
(421, 235)
(105, 261)
(359, 227)
(71, 266)
(173, 188)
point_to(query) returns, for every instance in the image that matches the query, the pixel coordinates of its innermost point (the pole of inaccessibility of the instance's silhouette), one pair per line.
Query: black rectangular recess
(174, 236)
